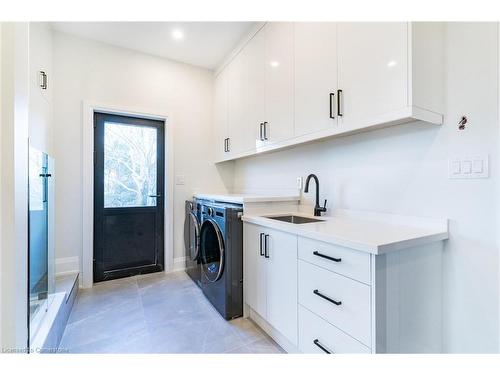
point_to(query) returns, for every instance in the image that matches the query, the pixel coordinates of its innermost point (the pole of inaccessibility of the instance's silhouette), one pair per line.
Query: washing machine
(221, 257)
(192, 225)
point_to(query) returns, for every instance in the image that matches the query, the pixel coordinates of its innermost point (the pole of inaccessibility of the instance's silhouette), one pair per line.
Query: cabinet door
(254, 269)
(245, 98)
(220, 117)
(255, 51)
(315, 76)
(279, 80)
(373, 70)
(282, 283)
(236, 102)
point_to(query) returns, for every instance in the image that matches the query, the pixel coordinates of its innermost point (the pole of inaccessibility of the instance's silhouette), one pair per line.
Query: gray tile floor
(156, 313)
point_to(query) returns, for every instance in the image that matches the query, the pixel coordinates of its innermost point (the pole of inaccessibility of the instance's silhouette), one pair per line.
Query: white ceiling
(204, 44)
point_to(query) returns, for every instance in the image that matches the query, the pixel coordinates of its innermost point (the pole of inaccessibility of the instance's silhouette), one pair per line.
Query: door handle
(261, 249)
(331, 105)
(266, 246)
(339, 103)
(265, 131)
(155, 196)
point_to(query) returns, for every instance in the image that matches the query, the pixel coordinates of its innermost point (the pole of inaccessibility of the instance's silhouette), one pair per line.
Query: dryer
(192, 240)
(221, 257)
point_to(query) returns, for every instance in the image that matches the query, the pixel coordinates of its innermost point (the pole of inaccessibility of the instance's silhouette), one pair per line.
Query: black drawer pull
(266, 246)
(338, 303)
(318, 254)
(319, 345)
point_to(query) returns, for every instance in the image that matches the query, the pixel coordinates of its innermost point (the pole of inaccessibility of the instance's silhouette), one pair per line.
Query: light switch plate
(180, 179)
(468, 167)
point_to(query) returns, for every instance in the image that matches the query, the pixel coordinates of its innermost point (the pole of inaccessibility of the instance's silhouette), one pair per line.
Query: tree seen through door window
(130, 158)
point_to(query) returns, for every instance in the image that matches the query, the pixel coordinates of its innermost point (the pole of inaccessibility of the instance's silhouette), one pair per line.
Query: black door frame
(98, 203)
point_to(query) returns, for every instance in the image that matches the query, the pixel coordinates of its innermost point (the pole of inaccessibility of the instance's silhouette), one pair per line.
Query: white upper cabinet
(315, 76)
(278, 81)
(389, 73)
(241, 130)
(255, 55)
(295, 83)
(373, 71)
(220, 116)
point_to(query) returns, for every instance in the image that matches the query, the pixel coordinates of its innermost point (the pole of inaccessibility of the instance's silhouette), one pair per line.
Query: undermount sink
(294, 219)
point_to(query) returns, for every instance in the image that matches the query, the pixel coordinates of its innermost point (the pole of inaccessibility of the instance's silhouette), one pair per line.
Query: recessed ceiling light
(391, 63)
(274, 64)
(177, 34)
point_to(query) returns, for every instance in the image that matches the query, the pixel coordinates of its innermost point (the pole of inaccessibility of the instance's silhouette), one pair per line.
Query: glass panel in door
(38, 239)
(130, 159)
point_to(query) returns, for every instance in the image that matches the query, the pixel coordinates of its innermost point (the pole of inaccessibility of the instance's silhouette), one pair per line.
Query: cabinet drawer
(348, 262)
(339, 300)
(315, 332)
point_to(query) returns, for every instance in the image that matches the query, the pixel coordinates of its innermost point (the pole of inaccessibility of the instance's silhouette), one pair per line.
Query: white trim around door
(88, 183)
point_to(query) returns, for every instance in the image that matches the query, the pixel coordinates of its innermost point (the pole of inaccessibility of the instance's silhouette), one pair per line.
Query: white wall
(14, 183)
(40, 120)
(87, 70)
(404, 170)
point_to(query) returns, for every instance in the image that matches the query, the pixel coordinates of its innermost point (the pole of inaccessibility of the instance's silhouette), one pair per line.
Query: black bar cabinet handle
(318, 254)
(228, 144)
(260, 131)
(261, 250)
(265, 130)
(339, 103)
(338, 303)
(331, 105)
(266, 247)
(319, 345)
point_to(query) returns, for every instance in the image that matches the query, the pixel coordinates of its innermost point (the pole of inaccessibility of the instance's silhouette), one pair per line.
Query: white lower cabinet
(270, 277)
(337, 299)
(318, 336)
(254, 269)
(323, 298)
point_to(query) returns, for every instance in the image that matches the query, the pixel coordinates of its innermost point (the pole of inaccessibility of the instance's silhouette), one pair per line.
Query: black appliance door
(211, 250)
(191, 234)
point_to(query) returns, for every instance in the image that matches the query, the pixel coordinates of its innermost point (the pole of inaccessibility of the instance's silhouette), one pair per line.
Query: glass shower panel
(41, 280)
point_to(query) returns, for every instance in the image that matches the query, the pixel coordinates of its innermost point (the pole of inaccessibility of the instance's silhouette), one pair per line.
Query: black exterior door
(129, 182)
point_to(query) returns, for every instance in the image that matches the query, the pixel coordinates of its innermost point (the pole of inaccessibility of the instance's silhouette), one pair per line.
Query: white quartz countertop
(371, 232)
(247, 198)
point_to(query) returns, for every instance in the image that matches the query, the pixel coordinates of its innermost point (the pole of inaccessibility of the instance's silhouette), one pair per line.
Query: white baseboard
(179, 264)
(67, 265)
(281, 340)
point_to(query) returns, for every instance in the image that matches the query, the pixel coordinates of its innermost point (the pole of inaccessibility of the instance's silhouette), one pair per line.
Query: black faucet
(317, 209)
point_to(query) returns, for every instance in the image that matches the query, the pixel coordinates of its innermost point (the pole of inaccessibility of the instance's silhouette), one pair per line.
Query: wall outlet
(468, 167)
(299, 183)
